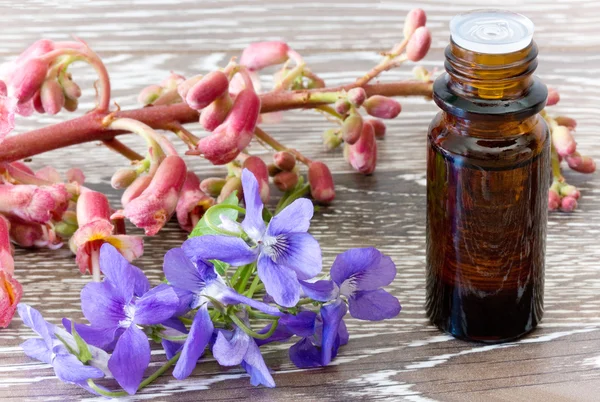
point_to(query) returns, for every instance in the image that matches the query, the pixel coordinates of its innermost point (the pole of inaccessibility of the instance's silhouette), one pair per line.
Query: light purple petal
(175, 324)
(300, 252)
(171, 347)
(69, 369)
(255, 365)
(130, 359)
(34, 320)
(377, 276)
(281, 333)
(302, 324)
(253, 222)
(99, 337)
(373, 305)
(181, 272)
(230, 296)
(232, 250)
(102, 307)
(156, 306)
(282, 284)
(199, 336)
(230, 352)
(294, 218)
(126, 279)
(320, 290)
(37, 349)
(304, 354)
(356, 262)
(332, 316)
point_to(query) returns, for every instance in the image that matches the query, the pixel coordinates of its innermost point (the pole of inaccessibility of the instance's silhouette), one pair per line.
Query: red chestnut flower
(192, 204)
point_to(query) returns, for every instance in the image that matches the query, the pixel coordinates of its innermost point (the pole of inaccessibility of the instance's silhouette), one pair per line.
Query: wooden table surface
(401, 359)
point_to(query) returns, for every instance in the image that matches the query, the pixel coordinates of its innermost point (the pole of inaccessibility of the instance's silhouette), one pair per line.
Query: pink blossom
(259, 168)
(418, 44)
(192, 203)
(207, 90)
(362, 155)
(415, 18)
(580, 163)
(321, 182)
(10, 295)
(215, 114)
(28, 202)
(263, 54)
(33, 235)
(6, 259)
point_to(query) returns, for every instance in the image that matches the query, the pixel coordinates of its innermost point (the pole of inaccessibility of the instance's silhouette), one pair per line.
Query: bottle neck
(490, 128)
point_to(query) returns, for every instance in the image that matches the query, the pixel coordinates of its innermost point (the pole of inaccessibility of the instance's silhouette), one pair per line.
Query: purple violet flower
(49, 349)
(116, 307)
(196, 284)
(284, 250)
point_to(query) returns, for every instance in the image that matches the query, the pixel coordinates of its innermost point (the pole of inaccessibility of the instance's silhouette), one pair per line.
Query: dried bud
(331, 139)
(71, 89)
(582, 164)
(259, 169)
(7, 263)
(568, 204)
(351, 128)
(263, 54)
(415, 18)
(357, 96)
(26, 80)
(382, 107)
(553, 200)
(378, 127)
(212, 186)
(232, 184)
(273, 169)
(123, 178)
(553, 97)
(10, 295)
(363, 154)
(321, 182)
(570, 191)
(285, 181)
(53, 97)
(149, 94)
(192, 203)
(342, 106)
(284, 160)
(419, 44)
(184, 87)
(215, 114)
(153, 208)
(207, 90)
(566, 121)
(563, 141)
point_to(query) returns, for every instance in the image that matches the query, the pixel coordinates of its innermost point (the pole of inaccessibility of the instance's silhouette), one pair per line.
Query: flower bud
(149, 94)
(71, 89)
(10, 295)
(284, 160)
(7, 263)
(259, 169)
(331, 139)
(208, 89)
(212, 186)
(232, 184)
(214, 114)
(48, 173)
(563, 141)
(53, 98)
(30, 235)
(37, 49)
(152, 209)
(568, 204)
(192, 203)
(568, 122)
(579, 163)
(123, 178)
(28, 202)
(263, 54)
(378, 127)
(75, 175)
(3, 88)
(184, 87)
(273, 169)
(342, 106)
(419, 44)
(92, 206)
(363, 154)
(26, 80)
(65, 229)
(553, 200)
(415, 18)
(37, 103)
(570, 191)
(135, 189)
(357, 96)
(71, 105)
(321, 182)
(285, 181)
(553, 97)
(351, 128)
(382, 107)
(172, 81)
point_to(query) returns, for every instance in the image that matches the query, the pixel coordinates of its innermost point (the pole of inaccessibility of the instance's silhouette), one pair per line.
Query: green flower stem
(277, 146)
(186, 320)
(305, 301)
(237, 274)
(146, 132)
(173, 338)
(144, 383)
(253, 286)
(301, 192)
(212, 216)
(330, 111)
(258, 314)
(252, 333)
(241, 286)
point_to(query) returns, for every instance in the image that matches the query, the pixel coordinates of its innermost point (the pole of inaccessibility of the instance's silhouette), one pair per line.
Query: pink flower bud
(207, 90)
(22, 166)
(37, 103)
(553, 97)
(566, 121)
(192, 203)
(285, 181)
(75, 175)
(10, 295)
(236, 132)
(351, 128)
(7, 263)
(232, 184)
(553, 200)
(332, 139)
(284, 160)
(61, 198)
(263, 54)
(53, 97)
(92, 206)
(71, 89)
(215, 114)
(568, 204)
(184, 87)
(37, 49)
(172, 81)
(415, 18)
(155, 206)
(378, 127)
(419, 44)
(30, 235)
(579, 163)
(321, 182)
(259, 169)
(135, 189)
(382, 107)
(357, 96)
(28, 202)
(342, 106)
(212, 186)
(149, 94)
(363, 154)
(123, 177)
(26, 80)
(563, 141)
(8, 107)
(570, 191)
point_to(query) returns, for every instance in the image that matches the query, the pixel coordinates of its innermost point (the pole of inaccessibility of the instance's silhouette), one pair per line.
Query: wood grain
(400, 359)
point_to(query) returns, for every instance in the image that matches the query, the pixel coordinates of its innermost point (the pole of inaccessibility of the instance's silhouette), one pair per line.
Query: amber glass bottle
(488, 172)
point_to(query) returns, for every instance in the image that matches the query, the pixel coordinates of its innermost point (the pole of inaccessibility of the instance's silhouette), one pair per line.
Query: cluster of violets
(231, 288)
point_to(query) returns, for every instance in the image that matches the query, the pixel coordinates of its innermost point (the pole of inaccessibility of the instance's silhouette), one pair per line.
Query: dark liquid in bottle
(487, 210)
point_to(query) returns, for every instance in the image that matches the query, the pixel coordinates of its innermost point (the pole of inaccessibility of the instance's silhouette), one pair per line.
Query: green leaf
(202, 227)
(84, 352)
(220, 267)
